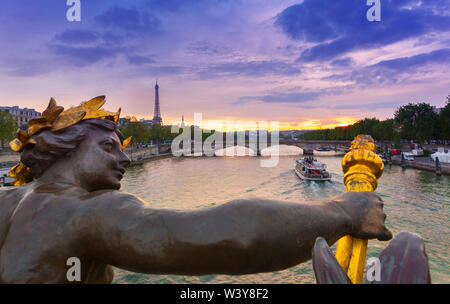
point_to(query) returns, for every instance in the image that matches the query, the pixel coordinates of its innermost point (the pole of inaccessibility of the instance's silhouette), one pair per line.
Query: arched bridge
(306, 145)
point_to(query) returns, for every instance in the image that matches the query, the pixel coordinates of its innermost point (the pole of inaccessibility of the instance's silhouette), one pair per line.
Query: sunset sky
(306, 64)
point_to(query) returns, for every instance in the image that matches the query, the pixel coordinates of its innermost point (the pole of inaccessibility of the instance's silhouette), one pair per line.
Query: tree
(8, 127)
(406, 117)
(444, 120)
(166, 133)
(384, 130)
(156, 132)
(140, 131)
(417, 121)
(366, 126)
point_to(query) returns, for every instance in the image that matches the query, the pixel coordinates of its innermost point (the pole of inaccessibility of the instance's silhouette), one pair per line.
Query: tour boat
(308, 168)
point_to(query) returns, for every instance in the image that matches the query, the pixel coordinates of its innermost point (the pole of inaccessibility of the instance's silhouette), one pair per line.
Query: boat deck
(309, 169)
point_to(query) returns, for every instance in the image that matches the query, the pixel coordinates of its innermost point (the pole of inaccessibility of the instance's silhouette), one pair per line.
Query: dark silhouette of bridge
(308, 146)
(139, 153)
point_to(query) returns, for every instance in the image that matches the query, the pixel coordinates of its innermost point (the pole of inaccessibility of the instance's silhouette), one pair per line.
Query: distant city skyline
(307, 64)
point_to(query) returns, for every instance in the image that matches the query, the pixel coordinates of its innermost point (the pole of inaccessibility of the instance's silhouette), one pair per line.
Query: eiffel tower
(157, 118)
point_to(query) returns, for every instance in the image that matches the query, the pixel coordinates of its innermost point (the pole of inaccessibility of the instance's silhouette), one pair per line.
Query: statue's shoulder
(10, 197)
(74, 192)
(114, 197)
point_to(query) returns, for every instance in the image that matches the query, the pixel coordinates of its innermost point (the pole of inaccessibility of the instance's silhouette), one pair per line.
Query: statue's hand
(365, 210)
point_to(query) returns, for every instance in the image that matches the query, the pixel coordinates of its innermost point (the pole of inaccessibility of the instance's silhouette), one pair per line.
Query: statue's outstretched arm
(239, 237)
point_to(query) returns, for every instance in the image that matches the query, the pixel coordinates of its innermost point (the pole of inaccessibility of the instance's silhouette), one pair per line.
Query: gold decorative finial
(362, 168)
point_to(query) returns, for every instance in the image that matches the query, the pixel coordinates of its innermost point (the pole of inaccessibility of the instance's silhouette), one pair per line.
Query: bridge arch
(281, 150)
(236, 150)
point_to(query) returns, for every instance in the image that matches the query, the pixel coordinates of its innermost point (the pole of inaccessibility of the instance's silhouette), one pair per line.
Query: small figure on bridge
(68, 204)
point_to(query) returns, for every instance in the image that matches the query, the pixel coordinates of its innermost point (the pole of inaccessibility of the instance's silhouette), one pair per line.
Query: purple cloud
(78, 37)
(249, 68)
(341, 26)
(390, 70)
(83, 56)
(129, 20)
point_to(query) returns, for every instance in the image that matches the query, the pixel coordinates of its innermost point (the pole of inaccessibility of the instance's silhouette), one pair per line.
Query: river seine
(415, 201)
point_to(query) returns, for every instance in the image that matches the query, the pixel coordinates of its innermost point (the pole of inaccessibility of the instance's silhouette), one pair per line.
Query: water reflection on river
(415, 201)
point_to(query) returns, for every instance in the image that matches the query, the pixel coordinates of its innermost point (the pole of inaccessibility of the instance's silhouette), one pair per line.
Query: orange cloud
(240, 124)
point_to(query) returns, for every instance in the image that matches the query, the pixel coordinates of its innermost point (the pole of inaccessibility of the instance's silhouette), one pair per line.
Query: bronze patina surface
(73, 208)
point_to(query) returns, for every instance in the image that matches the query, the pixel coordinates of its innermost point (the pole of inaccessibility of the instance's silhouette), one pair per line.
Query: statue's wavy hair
(50, 146)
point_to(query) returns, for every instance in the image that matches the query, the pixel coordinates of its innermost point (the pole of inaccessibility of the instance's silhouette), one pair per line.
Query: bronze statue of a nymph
(68, 204)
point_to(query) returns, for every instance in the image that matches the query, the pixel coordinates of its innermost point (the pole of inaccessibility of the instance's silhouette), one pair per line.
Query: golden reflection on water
(415, 201)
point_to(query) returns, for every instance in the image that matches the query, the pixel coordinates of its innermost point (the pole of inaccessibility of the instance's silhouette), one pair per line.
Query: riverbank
(328, 153)
(422, 163)
(140, 161)
(9, 157)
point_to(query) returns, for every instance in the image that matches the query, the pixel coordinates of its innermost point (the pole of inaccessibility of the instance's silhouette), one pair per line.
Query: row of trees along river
(412, 122)
(156, 133)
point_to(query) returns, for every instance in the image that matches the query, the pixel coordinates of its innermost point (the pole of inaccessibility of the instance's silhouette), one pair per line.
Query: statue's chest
(8, 203)
(33, 259)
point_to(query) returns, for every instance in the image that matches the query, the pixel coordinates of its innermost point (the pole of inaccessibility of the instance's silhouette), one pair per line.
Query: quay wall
(445, 170)
(136, 154)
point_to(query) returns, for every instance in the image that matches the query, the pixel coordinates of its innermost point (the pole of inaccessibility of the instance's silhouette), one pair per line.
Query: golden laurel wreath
(57, 119)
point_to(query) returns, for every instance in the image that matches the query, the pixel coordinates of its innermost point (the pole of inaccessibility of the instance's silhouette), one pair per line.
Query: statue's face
(99, 162)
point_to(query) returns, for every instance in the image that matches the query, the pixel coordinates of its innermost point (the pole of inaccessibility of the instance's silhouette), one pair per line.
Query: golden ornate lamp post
(362, 168)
